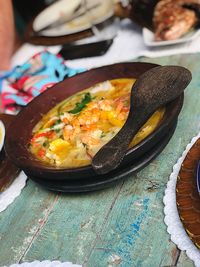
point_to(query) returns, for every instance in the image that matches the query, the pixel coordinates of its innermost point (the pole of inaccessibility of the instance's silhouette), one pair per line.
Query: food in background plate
(58, 19)
(168, 19)
(174, 18)
(72, 132)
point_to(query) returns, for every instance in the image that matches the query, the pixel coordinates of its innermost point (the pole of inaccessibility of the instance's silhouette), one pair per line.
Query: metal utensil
(153, 89)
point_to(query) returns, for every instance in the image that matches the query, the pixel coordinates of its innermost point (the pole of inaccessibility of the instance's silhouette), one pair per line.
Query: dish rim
(16, 144)
(180, 40)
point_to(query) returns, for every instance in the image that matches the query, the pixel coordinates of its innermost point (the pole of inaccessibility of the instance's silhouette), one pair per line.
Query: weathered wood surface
(120, 226)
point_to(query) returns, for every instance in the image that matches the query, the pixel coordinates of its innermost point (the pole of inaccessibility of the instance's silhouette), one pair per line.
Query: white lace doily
(13, 191)
(45, 264)
(172, 220)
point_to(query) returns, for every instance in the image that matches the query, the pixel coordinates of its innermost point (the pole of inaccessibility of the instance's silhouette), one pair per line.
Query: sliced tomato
(41, 153)
(49, 134)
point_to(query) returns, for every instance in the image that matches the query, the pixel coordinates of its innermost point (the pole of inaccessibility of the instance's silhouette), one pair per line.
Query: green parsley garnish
(81, 105)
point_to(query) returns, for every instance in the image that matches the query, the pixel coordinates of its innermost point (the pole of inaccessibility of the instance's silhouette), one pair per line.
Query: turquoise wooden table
(121, 226)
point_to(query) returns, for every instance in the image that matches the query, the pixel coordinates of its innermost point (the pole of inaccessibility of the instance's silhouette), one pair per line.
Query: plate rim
(170, 42)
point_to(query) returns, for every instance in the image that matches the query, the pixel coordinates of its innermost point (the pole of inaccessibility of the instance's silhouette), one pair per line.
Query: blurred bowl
(16, 144)
(2, 134)
(8, 170)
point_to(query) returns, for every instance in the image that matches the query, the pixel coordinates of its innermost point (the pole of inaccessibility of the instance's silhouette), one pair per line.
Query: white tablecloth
(127, 45)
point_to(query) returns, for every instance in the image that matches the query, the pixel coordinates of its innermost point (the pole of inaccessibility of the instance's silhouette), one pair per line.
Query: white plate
(52, 13)
(148, 37)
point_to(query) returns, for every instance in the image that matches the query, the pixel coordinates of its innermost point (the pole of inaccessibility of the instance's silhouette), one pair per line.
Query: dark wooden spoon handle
(153, 89)
(112, 153)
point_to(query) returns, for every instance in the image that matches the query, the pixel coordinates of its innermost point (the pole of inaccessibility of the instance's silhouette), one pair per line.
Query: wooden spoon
(153, 89)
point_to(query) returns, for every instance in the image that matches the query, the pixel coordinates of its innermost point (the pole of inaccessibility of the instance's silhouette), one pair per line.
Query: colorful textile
(19, 86)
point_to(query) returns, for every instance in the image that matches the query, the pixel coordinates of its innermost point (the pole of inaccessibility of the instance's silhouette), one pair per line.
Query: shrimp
(105, 105)
(66, 117)
(89, 117)
(92, 140)
(70, 133)
(174, 18)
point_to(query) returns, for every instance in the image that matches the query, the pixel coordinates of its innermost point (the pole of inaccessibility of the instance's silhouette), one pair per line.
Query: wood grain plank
(135, 233)
(73, 226)
(22, 220)
(121, 226)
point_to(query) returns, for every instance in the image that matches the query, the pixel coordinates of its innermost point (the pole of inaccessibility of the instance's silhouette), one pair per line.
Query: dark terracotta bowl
(19, 133)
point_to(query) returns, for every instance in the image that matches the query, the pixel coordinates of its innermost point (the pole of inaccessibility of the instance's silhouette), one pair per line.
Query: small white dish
(2, 134)
(149, 40)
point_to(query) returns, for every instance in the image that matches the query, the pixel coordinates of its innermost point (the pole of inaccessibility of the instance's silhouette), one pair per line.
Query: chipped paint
(81, 245)
(84, 235)
(33, 230)
(135, 226)
(129, 235)
(85, 225)
(151, 186)
(114, 260)
(20, 250)
(175, 252)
